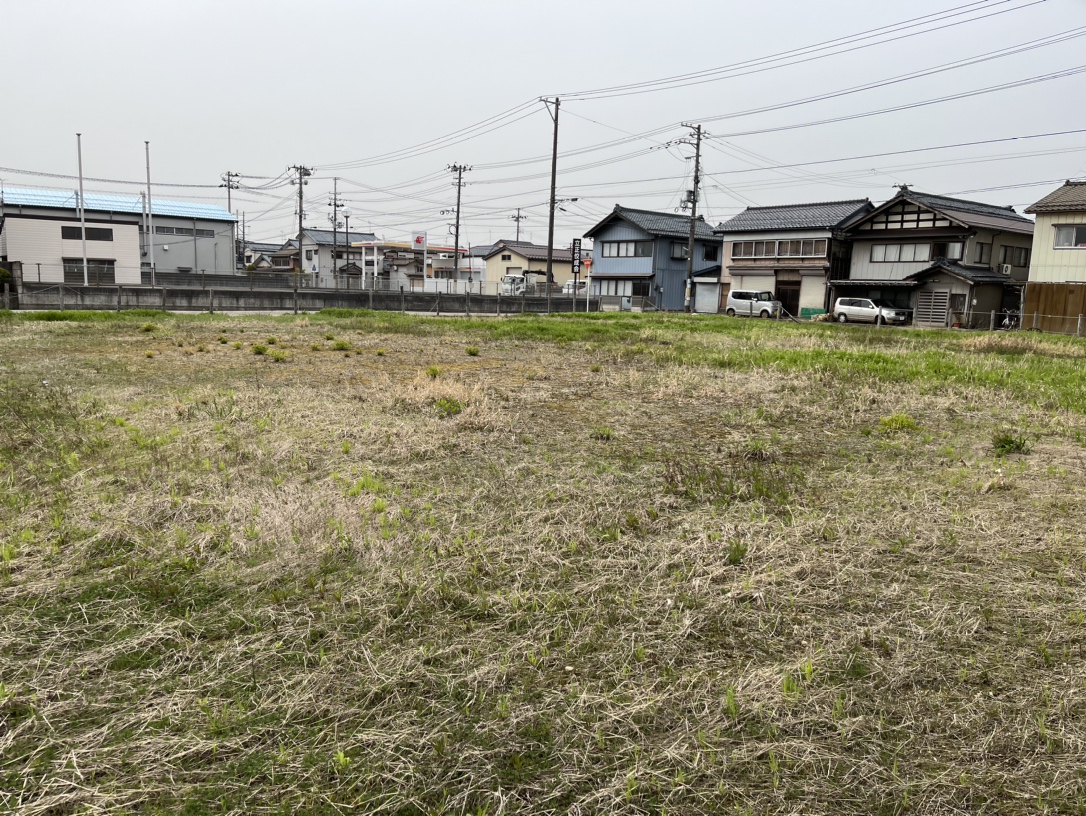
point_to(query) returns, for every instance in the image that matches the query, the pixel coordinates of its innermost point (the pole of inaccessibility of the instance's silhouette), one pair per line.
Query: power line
(758, 64)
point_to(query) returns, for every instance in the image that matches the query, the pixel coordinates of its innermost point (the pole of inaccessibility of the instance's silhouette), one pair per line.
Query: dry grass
(233, 585)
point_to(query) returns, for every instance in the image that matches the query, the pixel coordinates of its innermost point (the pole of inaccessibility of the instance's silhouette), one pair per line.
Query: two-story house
(950, 260)
(792, 250)
(1059, 238)
(643, 254)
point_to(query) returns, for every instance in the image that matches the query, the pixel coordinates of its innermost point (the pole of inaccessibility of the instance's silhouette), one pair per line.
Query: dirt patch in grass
(426, 581)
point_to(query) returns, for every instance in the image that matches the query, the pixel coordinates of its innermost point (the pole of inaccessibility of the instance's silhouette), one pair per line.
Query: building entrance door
(788, 295)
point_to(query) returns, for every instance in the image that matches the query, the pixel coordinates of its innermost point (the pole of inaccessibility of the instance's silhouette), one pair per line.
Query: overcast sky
(254, 87)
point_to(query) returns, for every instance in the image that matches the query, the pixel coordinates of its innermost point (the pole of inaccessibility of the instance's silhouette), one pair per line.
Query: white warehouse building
(40, 234)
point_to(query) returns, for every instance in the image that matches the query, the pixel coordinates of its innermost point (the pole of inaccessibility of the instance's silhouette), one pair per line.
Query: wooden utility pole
(693, 219)
(554, 181)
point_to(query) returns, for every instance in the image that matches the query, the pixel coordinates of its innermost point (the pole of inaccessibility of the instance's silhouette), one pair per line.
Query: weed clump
(433, 372)
(472, 351)
(278, 355)
(897, 423)
(341, 345)
(1006, 442)
(448, 406)
(602, 433)
(148, 328)
(259, 350)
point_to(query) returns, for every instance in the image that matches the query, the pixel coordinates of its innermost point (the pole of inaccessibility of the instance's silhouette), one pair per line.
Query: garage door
(931, 308)
(707, 298)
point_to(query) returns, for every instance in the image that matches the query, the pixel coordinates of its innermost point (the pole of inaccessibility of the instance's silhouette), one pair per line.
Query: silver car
(868, 310)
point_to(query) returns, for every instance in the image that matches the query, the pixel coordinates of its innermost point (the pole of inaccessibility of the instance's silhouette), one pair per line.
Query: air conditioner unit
(1005, 269)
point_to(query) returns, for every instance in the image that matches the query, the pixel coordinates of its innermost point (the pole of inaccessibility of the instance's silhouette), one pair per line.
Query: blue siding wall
(669, 273)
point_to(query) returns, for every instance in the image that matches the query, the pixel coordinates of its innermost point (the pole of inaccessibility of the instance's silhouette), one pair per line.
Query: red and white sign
(418, 241)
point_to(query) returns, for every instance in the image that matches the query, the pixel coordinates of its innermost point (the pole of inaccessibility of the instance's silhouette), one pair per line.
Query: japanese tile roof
(658, 223)
(819, 215)
(938, 202)
(483, 250)
(973, 274)
(1071, 197)
(257, 246)
(970, 213)
(533, 252)
(103, 202)
(324, 237)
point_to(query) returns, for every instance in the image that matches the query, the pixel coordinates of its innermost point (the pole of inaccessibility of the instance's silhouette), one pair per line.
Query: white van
(752, 303)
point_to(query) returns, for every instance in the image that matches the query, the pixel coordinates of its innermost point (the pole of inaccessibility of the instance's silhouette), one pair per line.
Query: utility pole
(693, 200)
(334, 218)
(229, 182)
(518, 218)
(303, 172)
(554, 204)
(459, 184)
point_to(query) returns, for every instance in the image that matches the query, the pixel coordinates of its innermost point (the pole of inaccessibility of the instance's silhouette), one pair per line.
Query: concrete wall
(1051, 265)
(109, 298)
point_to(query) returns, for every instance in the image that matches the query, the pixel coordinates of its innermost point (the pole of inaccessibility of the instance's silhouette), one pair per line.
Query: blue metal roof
(104, 202)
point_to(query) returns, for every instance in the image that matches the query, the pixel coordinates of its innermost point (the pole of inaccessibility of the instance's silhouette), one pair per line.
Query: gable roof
(969, 213)
(1070, 197)
(973, 274)
(531, 252)
(486, 250)
(657, 224)
(324, 237)
(103, 202)
(260, 246)
(819, 215)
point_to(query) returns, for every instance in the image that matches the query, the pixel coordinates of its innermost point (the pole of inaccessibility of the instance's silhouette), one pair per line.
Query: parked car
(752, 303)
(867, 310)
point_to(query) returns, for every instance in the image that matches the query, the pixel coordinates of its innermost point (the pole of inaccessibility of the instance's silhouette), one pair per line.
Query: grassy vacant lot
(624, 564)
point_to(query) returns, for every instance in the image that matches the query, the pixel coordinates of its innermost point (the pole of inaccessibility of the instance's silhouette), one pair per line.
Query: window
(627, 249)
(982, 253)
(905, 253)
(309, 254)
(1070, 237)
(93, 234)
(99, 272)
(205, 233)
(507, 257)
(951, 250)
(1015, 256)
(810, 248)
(711, 251)
(680, 251)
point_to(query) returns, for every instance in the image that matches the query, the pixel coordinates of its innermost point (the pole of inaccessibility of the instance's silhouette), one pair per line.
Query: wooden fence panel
(1058, 306)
